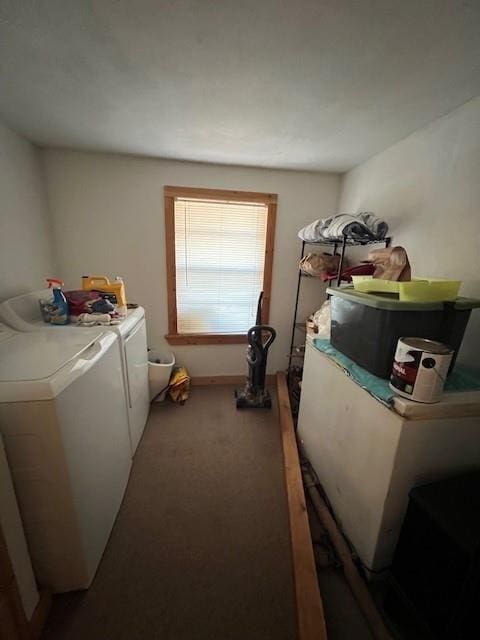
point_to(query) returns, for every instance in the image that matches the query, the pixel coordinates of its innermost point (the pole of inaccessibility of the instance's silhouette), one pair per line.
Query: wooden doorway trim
(13, 622)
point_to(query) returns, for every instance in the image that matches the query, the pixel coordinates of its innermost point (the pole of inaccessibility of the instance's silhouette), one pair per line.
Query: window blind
(219, 254)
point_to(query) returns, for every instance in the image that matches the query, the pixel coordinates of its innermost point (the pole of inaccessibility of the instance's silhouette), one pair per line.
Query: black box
(436, 567)
(366, 327)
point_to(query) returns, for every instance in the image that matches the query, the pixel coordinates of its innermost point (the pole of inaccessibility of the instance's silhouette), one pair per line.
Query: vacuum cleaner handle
(258, 319)
(257, 329)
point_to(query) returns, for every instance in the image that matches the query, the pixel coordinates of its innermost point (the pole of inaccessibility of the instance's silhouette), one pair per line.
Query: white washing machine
(23, 314)
(65, 430)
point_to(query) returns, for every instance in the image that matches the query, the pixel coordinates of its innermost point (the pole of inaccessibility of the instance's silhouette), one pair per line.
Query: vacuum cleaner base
(248, 400)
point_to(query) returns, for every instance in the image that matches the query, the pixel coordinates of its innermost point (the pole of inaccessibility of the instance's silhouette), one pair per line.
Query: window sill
(206, 338)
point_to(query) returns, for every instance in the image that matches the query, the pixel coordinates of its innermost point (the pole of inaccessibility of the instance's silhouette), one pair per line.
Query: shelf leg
(295, 314)
(340, 266)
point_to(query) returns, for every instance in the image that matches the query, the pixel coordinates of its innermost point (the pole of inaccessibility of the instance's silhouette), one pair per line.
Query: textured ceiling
(303, 84)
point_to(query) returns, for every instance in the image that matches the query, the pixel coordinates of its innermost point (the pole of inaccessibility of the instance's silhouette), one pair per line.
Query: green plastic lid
(390, 301)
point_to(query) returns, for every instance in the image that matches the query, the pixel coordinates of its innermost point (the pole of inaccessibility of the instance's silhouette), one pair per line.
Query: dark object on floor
(255, 395)
(366, 327)
(436, 569)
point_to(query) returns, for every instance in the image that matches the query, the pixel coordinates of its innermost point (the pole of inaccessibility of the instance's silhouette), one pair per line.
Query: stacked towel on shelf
(362, 226)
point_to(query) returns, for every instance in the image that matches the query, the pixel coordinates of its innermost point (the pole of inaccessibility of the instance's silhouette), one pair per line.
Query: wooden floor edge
(310, 614)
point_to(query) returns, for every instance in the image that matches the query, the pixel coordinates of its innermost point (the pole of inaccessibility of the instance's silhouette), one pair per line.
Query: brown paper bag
(316, 264)
(391, 263)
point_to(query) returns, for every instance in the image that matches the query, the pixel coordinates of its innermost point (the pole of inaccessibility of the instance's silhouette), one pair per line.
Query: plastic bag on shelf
(322, 320)
(317, 264)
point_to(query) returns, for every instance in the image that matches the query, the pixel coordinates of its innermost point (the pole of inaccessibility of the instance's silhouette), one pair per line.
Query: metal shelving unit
(297, 351)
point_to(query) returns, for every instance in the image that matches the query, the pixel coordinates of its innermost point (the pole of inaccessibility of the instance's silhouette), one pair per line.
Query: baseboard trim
(39, 616)
(203, 381)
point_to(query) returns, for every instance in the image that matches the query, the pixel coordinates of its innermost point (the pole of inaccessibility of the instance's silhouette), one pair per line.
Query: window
(219, 248)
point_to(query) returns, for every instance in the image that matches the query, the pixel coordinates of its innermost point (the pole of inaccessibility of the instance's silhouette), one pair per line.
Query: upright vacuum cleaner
(255, 395)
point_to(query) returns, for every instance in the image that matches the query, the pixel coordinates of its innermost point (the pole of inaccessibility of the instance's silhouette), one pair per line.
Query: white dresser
(368, 456)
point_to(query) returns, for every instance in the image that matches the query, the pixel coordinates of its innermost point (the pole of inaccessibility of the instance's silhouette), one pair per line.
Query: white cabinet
(368, 457)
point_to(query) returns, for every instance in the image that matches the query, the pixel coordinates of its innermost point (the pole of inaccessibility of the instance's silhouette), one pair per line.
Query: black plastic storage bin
(366, 327)
(435, 573)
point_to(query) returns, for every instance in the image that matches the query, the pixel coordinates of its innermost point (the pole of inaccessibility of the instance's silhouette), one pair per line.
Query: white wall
(428, 189)
(26, 250)
(108, 218)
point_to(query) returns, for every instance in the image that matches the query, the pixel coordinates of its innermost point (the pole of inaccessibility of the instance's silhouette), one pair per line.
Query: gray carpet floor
(200, 549)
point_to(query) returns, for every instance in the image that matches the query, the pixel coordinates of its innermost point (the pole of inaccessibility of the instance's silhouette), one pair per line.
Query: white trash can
(160, 365)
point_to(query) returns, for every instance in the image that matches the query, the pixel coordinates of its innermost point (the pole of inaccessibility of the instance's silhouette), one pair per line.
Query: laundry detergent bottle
(59, 307)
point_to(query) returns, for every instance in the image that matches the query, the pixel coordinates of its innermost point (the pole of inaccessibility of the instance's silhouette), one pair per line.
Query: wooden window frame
(170, 193)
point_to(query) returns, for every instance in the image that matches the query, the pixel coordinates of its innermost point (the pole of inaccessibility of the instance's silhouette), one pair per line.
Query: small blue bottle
(58, 310)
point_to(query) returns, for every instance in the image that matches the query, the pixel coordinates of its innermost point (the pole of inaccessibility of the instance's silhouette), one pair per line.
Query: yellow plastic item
(428, 290)
(417, 290)
(369, 284)
(102, 283)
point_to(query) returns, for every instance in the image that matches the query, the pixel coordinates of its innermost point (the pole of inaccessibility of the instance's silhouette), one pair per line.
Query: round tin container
(420, 369)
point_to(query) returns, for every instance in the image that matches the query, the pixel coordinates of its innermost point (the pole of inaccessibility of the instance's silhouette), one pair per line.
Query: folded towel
(346, 225)
(312, 232)
(363, 226)
(377, 226)
(90, 319)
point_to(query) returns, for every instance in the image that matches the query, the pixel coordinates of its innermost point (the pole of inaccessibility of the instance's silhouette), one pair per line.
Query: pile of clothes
(362, 226)
(89, 308)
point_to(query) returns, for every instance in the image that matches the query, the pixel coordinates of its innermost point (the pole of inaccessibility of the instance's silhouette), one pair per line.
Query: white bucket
(160, 365)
